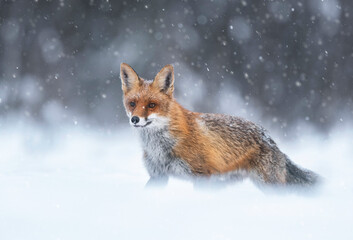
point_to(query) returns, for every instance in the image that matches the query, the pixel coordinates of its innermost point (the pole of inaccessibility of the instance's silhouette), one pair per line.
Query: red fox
(179, 142)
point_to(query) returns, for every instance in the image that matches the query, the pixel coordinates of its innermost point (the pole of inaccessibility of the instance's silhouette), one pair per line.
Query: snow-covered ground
(74, 183)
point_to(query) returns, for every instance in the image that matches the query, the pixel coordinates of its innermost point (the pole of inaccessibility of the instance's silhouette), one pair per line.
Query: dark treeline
(289, 60)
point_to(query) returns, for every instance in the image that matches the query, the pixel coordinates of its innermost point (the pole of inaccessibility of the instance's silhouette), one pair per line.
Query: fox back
(183, 143)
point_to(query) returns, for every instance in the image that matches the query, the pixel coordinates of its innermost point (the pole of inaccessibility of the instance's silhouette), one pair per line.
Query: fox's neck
(181, 119)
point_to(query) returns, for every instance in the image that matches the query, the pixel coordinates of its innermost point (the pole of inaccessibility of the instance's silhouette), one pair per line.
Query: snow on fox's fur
(178, 142)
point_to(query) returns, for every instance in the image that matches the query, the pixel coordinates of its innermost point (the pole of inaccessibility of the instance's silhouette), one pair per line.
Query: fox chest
(158, 155)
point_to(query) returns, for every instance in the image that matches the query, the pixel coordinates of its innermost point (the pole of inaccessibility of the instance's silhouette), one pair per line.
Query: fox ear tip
(169, 66)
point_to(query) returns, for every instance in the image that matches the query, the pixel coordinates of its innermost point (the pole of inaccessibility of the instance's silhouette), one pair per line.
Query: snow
(72, 182)
(240, 29)
(68, 172)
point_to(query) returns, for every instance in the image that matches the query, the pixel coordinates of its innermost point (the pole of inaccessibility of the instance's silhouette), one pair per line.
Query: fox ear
(129, 78)
(164, 80)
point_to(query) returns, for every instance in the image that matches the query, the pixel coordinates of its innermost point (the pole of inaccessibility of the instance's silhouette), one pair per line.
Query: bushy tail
(299, 176)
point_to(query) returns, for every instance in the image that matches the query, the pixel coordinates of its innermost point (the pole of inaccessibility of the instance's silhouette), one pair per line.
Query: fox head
(147, 102)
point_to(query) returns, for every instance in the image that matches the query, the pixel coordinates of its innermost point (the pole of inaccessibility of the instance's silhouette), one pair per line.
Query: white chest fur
(159, 160)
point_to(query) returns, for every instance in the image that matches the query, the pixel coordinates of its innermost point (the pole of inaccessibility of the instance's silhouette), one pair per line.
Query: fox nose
(135, 119)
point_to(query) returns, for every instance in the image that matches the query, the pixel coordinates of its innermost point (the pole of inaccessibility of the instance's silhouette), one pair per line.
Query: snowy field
(74, 183)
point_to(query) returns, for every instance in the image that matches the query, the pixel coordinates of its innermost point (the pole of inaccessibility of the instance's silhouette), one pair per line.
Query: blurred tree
(289, 60)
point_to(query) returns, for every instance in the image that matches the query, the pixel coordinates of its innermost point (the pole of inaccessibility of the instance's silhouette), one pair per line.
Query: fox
(177, 142)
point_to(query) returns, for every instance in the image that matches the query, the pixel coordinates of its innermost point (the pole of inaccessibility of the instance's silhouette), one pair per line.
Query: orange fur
(209, 144)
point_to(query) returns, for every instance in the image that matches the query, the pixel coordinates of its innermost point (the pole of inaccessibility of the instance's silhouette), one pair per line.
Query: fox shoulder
(217, 143)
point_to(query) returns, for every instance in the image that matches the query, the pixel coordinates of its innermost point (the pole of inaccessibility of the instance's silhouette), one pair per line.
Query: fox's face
(147, 102)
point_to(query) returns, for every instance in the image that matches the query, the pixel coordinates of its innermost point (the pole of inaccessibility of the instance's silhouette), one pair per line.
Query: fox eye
(151, 105)
(132, 104)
